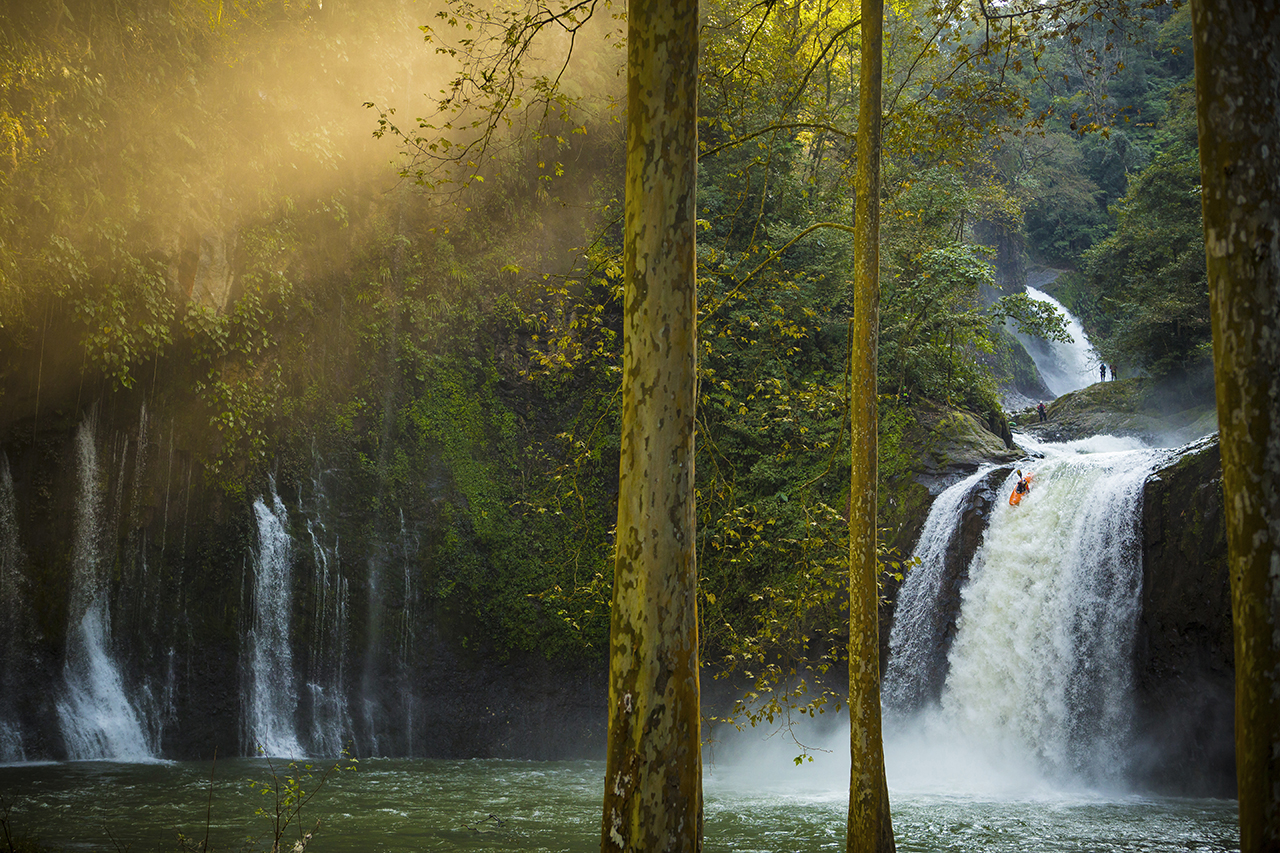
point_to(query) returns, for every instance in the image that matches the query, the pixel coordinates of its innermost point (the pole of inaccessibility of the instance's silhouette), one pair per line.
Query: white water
(1064, 367)
(913, 637)
(1038, 695)
(272, 703)
(97, 718)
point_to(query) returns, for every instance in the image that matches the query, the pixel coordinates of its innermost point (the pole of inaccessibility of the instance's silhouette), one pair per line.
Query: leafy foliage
(1144, 288)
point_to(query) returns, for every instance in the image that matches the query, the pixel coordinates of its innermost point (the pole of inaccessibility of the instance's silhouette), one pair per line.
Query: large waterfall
(1039, 677)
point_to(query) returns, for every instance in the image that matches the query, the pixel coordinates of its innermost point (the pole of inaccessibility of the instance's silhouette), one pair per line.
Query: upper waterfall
(1064, 367)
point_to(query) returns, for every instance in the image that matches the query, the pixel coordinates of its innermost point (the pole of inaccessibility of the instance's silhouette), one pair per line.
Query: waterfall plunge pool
(761, 803)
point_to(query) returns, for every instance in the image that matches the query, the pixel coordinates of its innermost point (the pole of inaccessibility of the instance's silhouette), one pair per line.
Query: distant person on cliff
(1040, 410)
(1113, 373)
(1102, 373)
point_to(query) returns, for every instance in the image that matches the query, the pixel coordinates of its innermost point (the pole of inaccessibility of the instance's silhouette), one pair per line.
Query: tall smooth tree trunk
(870, 827)
(653, 775)
(1237, 43)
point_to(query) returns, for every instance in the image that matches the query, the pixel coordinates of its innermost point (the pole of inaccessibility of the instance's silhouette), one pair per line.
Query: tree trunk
(870, 827)
(653, 775)
(1237, 81)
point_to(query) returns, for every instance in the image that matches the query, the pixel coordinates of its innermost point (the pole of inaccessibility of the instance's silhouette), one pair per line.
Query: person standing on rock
(1102, 373)
(1040, 410)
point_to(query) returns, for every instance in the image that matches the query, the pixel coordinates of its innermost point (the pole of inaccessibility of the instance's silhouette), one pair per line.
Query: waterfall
(1064, 367)
(1040, 673)
(919, 621)
(96, 716)
(272, 703)
(14, 604)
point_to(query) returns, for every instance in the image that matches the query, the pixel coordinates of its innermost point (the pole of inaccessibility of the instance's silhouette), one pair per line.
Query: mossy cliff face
(410, 581)
(924, 448)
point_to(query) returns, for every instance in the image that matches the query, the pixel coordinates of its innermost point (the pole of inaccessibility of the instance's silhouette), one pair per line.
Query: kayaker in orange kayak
(1024, 486)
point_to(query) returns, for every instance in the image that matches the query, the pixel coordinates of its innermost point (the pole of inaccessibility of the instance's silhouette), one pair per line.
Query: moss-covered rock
(1139, 408)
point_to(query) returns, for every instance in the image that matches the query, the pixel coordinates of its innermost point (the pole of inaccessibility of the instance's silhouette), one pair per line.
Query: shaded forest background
(226, 222)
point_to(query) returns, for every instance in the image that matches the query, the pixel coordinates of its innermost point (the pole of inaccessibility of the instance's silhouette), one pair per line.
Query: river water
(760, 802)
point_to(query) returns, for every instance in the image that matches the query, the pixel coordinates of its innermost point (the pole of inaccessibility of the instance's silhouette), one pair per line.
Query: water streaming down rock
(331, 728)
(272, 701)
(97, 718)
(923, 624)
(1064, 367)
(1040, 672)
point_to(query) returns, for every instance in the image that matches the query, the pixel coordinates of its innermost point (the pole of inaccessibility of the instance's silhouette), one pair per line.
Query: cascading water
(1039, 684)
(97, 718)
(331, 727)
(272, 703)
(919, 620)
(1064, 367)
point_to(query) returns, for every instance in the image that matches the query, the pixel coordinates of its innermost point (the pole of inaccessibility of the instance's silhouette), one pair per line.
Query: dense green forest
(233, 212)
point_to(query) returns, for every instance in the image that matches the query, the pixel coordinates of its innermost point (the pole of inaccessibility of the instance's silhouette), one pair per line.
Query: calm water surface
(488, 805)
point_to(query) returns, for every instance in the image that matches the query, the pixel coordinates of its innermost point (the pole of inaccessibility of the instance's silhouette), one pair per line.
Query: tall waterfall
(1065, 367)
(298, 701)
(1040, 674)
(97, 718)
(272, 703)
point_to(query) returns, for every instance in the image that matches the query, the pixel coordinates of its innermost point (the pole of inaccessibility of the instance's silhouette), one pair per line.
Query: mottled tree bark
(870, 827)
(653, 776)
(1237, 52)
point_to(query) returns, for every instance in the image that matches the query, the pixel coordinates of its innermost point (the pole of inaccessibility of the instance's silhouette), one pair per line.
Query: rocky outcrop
(1184, 667)
(930, 448)
(1128, 407)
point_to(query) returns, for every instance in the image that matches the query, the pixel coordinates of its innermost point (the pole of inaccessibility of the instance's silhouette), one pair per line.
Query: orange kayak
(1016, 497)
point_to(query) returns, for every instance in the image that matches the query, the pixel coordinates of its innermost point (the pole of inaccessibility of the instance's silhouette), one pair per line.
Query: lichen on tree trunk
(1238, 95)
(653, 774)
(870, 828)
